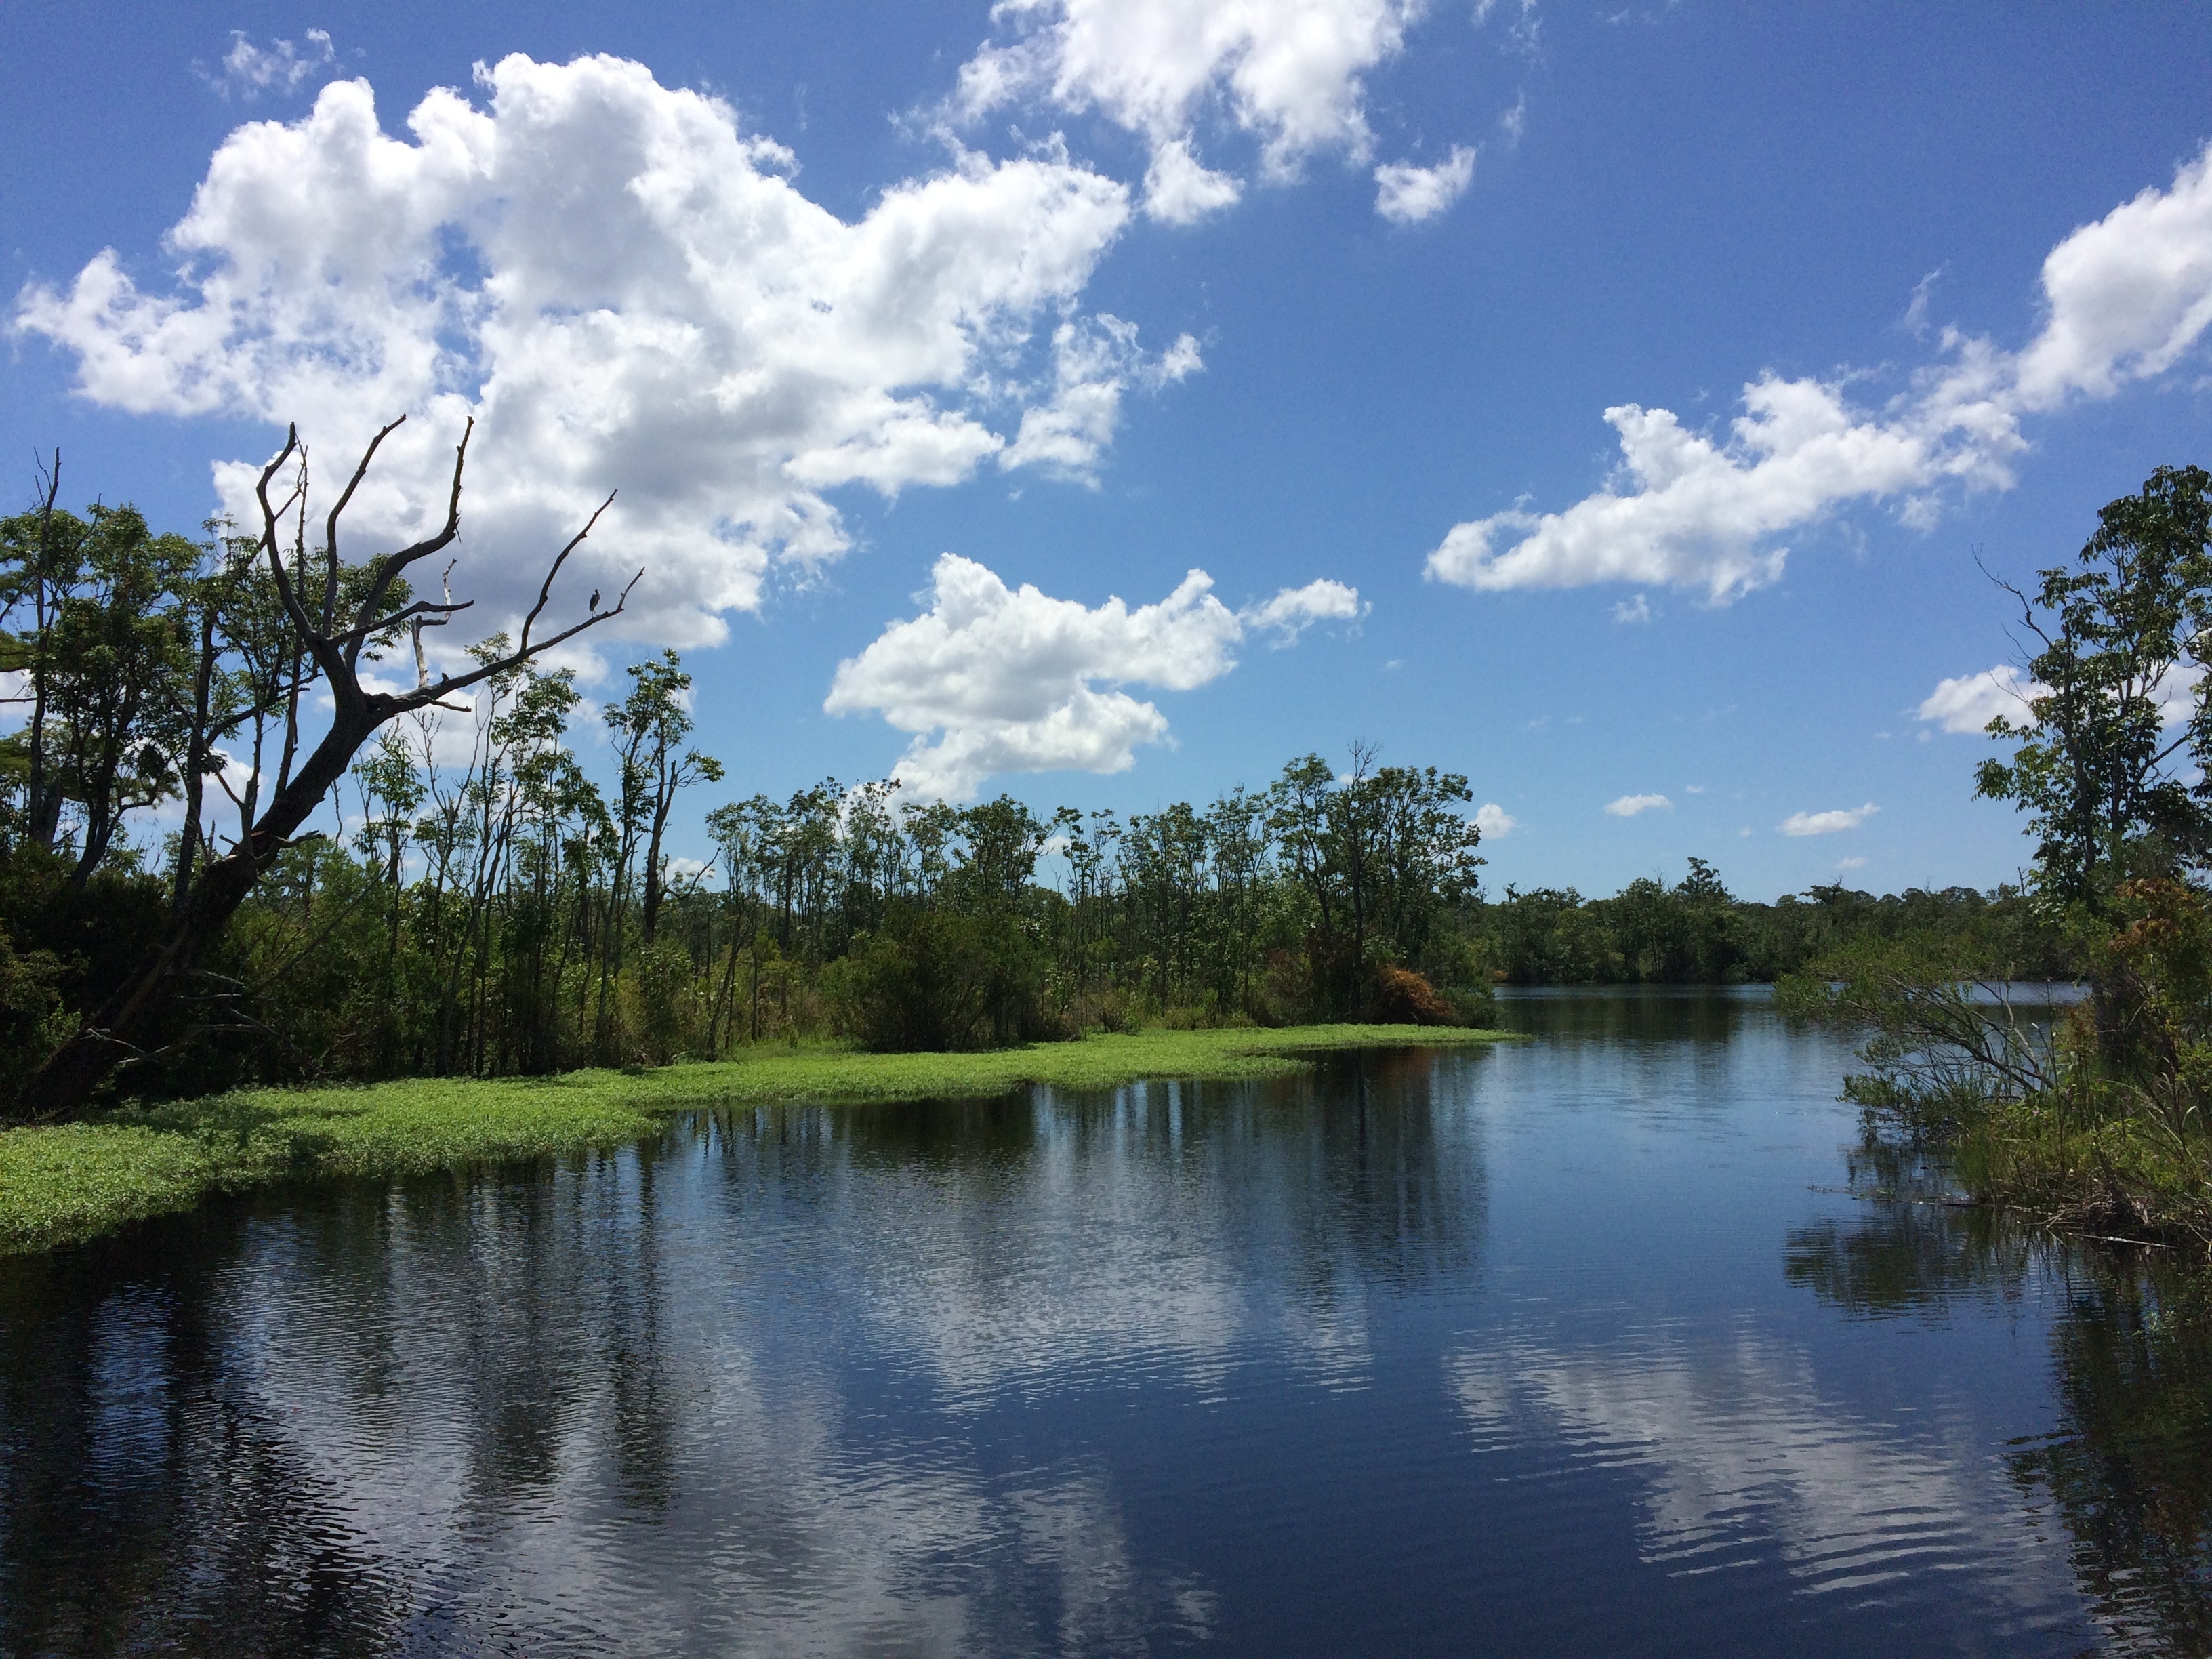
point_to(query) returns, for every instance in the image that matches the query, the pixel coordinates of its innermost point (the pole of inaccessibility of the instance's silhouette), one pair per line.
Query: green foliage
(2121, 631)
(667, 1004)
(108, 652)
(922, 983)
(32, 1020)
(86, 936)
(1944, 1042)
(499, 915)
(1374, 860)
(2096, 1118)
(1696, 934)
(60, 1185)
(2024, 1098)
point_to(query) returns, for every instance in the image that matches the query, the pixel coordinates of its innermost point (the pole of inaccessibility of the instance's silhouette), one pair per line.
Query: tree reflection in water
(121, 1429)
(2129, 1468)
(1921, 1255)
(2130, 1473)
(793, 1379)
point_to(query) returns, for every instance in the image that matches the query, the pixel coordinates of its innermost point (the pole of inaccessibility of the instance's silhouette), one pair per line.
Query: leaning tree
(126, 1028)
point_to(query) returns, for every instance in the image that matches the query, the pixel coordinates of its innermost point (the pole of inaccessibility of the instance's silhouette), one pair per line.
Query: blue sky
(1088, 297)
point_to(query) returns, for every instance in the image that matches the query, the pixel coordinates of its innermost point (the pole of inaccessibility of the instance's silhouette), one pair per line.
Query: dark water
(1576, 1346)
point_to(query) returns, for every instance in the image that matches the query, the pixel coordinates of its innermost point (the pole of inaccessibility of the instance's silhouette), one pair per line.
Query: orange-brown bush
(1402, 997)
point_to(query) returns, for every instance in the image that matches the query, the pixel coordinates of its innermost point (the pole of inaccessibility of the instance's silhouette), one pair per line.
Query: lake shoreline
(2125, 1179)
(66, 1184)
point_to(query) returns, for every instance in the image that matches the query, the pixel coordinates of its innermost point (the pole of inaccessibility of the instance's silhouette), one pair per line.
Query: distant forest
(491, 909)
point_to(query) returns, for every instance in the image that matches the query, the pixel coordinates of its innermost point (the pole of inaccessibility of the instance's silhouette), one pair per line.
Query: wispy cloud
(1915, 320)
(281, 67)
(1294, 610)
(1629, 805)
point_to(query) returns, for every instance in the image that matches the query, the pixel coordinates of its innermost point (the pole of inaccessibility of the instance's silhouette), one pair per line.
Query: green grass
(60, 1186)
(2130, 1177)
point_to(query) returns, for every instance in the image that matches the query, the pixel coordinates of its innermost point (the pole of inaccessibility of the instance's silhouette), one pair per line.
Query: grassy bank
(61, 1185)
(2125, 1177)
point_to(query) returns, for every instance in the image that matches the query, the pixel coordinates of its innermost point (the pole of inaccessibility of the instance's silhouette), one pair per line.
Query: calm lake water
(1579, 1345)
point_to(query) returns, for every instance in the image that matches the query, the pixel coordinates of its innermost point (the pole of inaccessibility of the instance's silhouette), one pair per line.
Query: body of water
(1595, 1343)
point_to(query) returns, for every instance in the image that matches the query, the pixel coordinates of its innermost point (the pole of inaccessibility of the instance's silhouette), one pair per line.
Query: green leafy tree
(110, 661)
(2114, 789)
(649, 727)
(2099, 767)
(1377, 856)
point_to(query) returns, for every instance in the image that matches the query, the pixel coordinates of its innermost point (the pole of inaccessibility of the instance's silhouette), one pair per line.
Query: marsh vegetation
(2093, 1116)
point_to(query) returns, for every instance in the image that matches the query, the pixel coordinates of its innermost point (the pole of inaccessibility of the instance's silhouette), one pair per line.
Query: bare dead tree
(121, 1031)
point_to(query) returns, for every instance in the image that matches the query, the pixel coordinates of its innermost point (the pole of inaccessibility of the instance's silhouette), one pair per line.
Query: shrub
(32, 1023)
(1402, 997)
(940, 979)
(920, 984)
(667, 1001)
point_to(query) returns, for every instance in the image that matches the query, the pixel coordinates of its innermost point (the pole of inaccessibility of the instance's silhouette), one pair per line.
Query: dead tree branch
(126, 1023)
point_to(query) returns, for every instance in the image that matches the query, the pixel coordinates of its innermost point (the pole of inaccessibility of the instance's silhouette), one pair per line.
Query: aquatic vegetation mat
(64, 1184)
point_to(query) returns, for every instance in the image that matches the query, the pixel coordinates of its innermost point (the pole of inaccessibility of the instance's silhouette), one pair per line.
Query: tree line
(1696, 932)
(437, 883)
(480, 904)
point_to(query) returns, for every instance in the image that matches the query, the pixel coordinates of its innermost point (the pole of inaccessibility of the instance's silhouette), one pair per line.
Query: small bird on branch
(595, 599)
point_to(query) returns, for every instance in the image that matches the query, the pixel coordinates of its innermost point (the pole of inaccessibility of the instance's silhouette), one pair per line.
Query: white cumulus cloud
(1013, 680)
(1629, 805)
(1971, 701)
(1494, 821)
(626, 289)
(1406, 194)
(1826, 824)
(2124, 299)
(1181, 190)
(1286, 72)
(1294, 610)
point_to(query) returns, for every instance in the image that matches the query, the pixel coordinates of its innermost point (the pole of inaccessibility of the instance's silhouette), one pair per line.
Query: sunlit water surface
(1605, 1342)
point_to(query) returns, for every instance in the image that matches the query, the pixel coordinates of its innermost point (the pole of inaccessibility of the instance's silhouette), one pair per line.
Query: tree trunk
(194, 778)
(122, 1026)
(648, 919)
(118, 1031)
(42, 801)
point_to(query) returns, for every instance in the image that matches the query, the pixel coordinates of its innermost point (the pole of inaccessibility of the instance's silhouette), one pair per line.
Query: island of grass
(67, 1183)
